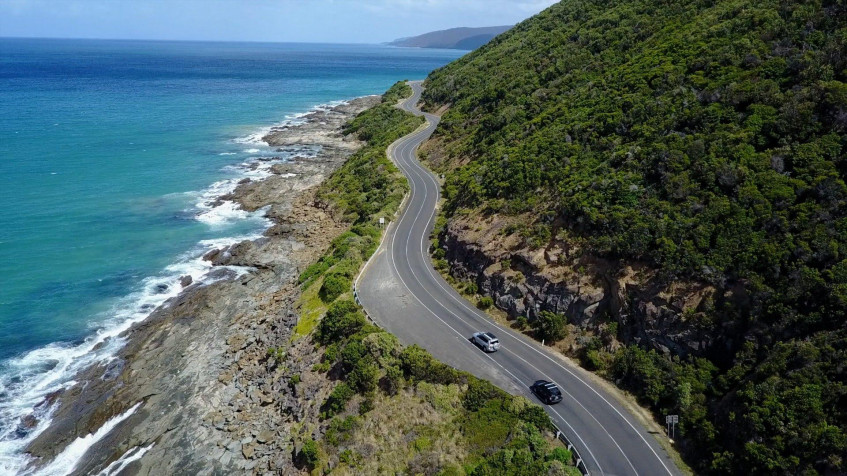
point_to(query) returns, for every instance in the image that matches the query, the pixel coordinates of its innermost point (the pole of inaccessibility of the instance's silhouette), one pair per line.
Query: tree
(550, 326)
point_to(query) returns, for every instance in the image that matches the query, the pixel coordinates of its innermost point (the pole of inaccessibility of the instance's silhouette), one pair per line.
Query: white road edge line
(520, 383)
(473, 311)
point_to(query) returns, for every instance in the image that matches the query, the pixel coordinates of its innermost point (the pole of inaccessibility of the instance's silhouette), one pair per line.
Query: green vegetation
(485, 429)
(550, 326)
(365, 188)
(368, 185)
(309, 454)
(707, 139)
(485, 302)
(502, 434)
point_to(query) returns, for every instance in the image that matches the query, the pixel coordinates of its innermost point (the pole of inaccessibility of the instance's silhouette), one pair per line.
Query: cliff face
(591, 292)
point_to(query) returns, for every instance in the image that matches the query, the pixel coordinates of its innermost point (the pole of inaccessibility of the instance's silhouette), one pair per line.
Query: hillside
(674, 172)
(454, 38)
(394, 409)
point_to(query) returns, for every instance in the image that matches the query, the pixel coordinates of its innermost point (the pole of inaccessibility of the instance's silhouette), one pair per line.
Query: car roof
(490, 335)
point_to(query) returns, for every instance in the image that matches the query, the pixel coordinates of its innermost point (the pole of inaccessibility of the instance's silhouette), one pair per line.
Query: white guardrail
(577, 460)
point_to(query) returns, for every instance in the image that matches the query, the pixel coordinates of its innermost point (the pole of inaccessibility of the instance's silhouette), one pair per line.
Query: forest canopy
(706, 139)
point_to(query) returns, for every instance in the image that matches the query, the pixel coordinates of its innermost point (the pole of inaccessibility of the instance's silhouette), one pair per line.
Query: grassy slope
(707, 139)
(397, 409)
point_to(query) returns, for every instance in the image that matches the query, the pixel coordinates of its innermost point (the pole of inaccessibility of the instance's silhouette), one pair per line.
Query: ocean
(111, 153)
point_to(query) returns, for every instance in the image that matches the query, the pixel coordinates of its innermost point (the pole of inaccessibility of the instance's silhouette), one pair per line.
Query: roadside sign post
(381, 221)
(671, 421)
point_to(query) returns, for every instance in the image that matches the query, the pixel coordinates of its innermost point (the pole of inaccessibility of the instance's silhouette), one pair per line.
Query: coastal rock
(212, 255)
(197, 367)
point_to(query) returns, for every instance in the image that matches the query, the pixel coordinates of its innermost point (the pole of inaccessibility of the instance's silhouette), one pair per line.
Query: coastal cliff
(591, 292)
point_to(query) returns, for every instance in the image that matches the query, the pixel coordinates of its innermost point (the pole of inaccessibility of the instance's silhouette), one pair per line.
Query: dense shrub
(334, 285)
(478, 393)
(337, 400)
(342, 319)
(418, 364)
(709, 141)
(310, 453)
(485, 302)
(550, 326)
(392, 381)
(363, 377)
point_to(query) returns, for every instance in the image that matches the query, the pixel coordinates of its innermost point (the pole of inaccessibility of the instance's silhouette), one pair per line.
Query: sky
(323, 21)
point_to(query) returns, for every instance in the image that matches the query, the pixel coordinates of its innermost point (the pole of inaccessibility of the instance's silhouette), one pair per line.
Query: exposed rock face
(212, 368)
(589, 291)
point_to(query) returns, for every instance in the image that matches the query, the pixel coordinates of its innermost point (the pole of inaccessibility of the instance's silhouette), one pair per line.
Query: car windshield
(553, 389)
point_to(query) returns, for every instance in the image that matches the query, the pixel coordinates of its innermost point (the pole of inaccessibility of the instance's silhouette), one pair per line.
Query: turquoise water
(109, 151)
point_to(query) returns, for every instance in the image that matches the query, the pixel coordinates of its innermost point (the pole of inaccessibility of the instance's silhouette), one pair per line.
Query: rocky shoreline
(206, 383)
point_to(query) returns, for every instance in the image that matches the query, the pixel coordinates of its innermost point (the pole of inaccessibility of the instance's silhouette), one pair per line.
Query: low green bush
(337, 400)
(392, 381)
(363, 377)
(485, 302)
(479, 392)
(419, 365)
(340, 429)
(310, 453)
(334, 285)
(342, 319)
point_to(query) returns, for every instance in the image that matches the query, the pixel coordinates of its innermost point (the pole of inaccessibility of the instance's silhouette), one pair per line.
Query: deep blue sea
(110, 152)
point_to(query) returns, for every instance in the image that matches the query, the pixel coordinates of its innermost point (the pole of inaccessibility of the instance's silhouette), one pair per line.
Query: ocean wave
(27, 381)
(66, 461)
(289, 120)
(128, 458)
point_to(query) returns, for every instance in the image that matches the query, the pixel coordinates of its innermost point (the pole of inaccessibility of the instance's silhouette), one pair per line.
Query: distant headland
(454, 38)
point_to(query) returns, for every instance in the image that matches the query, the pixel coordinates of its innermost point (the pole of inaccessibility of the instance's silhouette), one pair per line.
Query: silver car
(486, 341)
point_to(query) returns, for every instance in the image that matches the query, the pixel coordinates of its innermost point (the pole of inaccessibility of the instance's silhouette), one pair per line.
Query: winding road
(404, 294)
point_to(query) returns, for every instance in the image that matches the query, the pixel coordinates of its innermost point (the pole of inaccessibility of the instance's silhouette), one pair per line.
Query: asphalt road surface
(404, 294)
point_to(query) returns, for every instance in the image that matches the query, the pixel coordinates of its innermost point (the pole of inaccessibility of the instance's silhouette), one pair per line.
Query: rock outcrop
(591, 292)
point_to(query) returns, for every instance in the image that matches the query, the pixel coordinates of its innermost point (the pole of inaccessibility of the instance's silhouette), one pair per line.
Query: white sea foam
(128, 458)
(251, 151)
(26, 380)
(290, 120)
(228, 153)
(254, 138)
(65, 462)
(213, 211)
